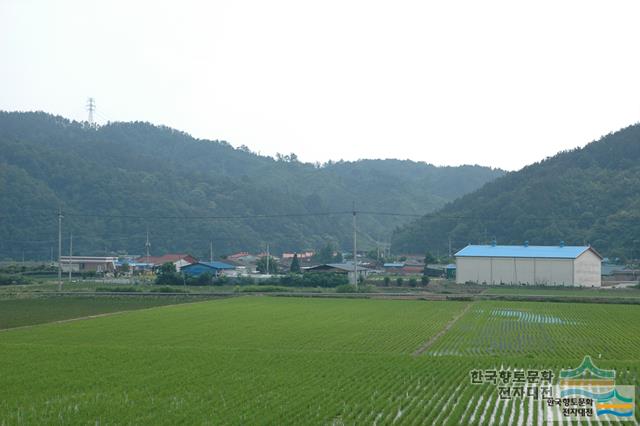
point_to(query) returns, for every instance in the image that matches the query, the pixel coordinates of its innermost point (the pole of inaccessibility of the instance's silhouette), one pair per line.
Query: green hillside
(588, 195)
(116, 181)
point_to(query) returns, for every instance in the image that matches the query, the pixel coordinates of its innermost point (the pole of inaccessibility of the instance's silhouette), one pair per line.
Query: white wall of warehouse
(583, 271)
(588, 270)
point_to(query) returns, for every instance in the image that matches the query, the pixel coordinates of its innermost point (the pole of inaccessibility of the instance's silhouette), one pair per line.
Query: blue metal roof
(552, 252)
(393, 265)
(214, 265)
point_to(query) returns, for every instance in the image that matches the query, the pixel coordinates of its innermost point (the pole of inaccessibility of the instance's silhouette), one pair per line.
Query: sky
(496, 83)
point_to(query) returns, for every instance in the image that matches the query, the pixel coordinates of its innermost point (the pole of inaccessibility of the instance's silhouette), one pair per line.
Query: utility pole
(449, 247)
(59, 249)
(70, 253)
(211, 251)
(268, 258)
(147, 246)
(91, 107)
(355, 247)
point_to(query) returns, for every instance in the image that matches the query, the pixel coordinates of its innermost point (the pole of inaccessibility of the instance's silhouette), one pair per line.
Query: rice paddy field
(29, 311)
(578, 292)
(278, 360)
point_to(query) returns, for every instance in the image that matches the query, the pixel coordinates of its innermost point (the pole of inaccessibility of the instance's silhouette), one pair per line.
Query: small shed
(451, 271)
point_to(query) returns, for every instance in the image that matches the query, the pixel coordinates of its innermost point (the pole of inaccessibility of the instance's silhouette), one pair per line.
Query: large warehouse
(537, 265)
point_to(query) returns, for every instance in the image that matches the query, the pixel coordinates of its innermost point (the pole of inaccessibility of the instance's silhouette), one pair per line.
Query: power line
(326, 213)
(224, 217)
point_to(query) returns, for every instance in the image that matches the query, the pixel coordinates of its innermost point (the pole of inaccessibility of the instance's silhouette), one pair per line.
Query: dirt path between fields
(426, 345)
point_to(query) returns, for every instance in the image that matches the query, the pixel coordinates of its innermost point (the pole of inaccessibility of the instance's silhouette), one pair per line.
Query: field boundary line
(426, 345)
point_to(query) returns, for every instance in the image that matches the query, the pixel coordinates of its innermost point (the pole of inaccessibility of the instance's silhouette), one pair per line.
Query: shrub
(263, 288)
(117, 289)
(424, 280)
(366, 288)
(346, 288)
(245, 281)
(316, 279)
(205, 278)
(222, 280)
(167, 289)
(13, 280)
(399, 282)
(413, 282)
(387, 281)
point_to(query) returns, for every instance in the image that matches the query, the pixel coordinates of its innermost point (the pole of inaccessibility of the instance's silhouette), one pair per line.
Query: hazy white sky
(497, 83)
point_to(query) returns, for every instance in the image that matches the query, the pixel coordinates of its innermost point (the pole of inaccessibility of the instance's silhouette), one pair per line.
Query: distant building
(393, 266)
(133, 266)
(536, 265)
(243, 258)
(214, 268)
(179, 260)
(88, 263)
(403, 268)
(238, 256)
(305, 255)
(340, 268)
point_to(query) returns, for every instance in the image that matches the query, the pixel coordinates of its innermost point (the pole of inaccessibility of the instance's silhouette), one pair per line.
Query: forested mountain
(588, 195)
(115, 182)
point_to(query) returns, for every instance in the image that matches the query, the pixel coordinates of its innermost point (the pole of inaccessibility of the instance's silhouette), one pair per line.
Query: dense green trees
(584, 196)
(267, 265)
(314, 279)
(327, 254)
(116, 181)
(167, 275)
(295, 264)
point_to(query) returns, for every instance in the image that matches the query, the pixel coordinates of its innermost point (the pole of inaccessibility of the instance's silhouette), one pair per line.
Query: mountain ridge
(108, 179)
(586, 195)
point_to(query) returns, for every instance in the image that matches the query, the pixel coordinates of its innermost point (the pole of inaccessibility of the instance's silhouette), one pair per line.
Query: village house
(80, 264)
(179, 260)
(213, 268)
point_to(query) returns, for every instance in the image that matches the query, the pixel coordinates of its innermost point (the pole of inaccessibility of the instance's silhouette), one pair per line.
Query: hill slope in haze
(117, 181)
(588, 195)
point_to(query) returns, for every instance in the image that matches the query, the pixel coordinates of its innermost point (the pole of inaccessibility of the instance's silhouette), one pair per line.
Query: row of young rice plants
(281, 388)
(548, 330)
(263, 324)
(407, 391)
(268, 361)
(244, 360)
(536, 336)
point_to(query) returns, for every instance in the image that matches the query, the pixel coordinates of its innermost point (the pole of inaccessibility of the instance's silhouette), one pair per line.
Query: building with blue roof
(214, 268)
(534, 265)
